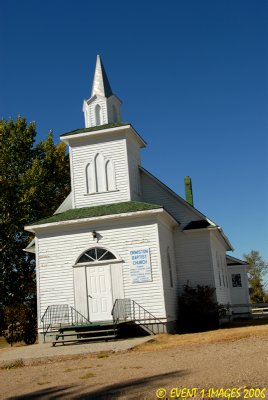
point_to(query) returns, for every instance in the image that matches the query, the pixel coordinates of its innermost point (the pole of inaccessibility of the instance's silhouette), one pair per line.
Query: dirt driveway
(205, 365)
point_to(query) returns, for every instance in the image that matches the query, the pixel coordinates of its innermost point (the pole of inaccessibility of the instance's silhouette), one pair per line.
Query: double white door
(95, 289)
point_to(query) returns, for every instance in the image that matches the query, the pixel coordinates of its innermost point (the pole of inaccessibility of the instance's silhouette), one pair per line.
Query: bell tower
(103, 107)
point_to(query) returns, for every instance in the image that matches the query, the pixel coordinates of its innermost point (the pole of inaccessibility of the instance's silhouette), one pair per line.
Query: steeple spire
(101, 85)
(103, 107)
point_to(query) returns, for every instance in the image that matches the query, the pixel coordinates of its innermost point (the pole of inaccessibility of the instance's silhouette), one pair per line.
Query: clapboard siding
(222, 284)
(91, 117)
(134, 173)
(193, 258)
(170, 292)
(113, 149)
(59, 251)
(153, 192)
(239, 295)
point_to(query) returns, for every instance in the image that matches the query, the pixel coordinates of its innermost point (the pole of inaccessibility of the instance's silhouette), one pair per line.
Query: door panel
(80, 291)
(99, 292)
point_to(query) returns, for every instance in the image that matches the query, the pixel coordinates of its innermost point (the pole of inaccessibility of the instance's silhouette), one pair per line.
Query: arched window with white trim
(98, 115)
(100, 173)
(169, 268)
(90, 179)
(96, 254)
(115, 114)
(110, 178)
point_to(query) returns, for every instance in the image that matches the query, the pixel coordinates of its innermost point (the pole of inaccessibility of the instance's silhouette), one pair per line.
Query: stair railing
(129, 310)
(59, 315)
(77, 318)
(145, 318)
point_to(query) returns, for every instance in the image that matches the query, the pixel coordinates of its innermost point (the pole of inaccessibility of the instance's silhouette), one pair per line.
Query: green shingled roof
(96, 128)
(98, 211)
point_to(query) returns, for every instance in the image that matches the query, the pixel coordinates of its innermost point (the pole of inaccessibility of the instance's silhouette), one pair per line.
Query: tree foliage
(256, 270)
(34, 180)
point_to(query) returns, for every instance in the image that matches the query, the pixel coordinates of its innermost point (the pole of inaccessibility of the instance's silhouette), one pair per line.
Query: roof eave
(236, 261)
(132, 214)
(98, 132)
(219, 229)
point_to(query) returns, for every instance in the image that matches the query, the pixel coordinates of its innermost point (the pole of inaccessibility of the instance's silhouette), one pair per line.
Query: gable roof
(178, 197)
(203, 221)
(98, 211)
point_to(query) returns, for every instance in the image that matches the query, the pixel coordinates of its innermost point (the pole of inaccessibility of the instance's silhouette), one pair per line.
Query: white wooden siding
(59, 251)
(133, 153)
(155, 193)
(193, 258)
(222, 284)
(113, 149)
(239, 295)
(80, 290)
(170, 293)
(113, 101)
(102, 102)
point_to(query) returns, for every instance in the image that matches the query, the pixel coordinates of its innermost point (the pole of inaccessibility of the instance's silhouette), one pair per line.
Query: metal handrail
(82, 317)
(129, 310)
(61, 314)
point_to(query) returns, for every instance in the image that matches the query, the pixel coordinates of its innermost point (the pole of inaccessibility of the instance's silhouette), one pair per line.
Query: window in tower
(115, 115)
(90, 178)
(109, 173)
(100, 175)
(98, 114)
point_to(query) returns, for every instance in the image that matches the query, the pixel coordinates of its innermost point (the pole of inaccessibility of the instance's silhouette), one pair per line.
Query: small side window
(236, 280)
(169, 268)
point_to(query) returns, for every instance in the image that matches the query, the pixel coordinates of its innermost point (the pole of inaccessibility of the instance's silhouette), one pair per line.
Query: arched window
(98, 114)
(169, 268)
(100, 173)
(90, 179)
(110, 178)
(115, 114)
(96, 254)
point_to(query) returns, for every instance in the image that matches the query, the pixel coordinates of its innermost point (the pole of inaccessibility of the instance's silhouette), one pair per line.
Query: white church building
(122, 233)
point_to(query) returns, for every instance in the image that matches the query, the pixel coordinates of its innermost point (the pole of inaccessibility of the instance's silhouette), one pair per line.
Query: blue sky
(193, 79)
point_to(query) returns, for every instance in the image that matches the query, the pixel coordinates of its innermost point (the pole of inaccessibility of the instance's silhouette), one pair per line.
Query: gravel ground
(137, 374)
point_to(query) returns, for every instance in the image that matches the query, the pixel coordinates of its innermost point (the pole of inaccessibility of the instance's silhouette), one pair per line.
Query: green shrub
(198, 310)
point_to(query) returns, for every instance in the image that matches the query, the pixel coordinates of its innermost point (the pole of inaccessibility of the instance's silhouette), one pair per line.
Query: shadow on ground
(130, 389)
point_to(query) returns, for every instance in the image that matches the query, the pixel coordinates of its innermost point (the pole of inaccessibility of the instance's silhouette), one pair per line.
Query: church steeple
(103, 107)
(101, 85)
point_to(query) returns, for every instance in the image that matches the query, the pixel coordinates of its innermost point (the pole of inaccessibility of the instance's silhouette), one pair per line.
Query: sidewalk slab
(46, 350)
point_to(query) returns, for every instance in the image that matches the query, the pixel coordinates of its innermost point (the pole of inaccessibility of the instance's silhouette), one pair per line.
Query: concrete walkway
(46, 350)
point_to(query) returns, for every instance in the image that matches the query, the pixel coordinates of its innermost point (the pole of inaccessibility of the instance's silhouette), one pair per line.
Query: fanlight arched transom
(96, 254)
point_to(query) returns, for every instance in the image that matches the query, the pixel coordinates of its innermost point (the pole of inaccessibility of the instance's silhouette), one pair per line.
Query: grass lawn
(229, 334)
